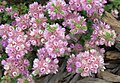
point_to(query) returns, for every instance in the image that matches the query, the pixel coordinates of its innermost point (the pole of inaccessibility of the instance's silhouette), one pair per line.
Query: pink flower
(103, 35)
(56, 42)
(13, 67)
(38, 21)
(56, 50)
(86, 63)
(16, 47)
(57, 9)
(2, 9)
(114, 12)
(35, 8)
(5, 32)
(54, 32)
(45, 64)
(23, 21)
(8, 10)
(35, 37)
(76, 24)
(92, 7)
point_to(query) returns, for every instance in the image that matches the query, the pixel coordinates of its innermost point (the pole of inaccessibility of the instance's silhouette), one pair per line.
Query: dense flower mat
(34, 41)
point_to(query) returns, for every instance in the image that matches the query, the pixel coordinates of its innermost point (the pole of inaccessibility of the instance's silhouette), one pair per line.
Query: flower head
(57, 9)
(86, 63)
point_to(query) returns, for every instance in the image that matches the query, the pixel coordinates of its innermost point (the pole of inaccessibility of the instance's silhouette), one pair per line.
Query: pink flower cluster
(4, 30)
(102, 34)
(36, 37)
(57, 9)
(76, 24)
(90, 6)
(53, 40)
(86, 63)
(18, 45)
(37, 17)
(44, 64)
(23, 21)
(34, 19)
(56, 44)
(28, 31)
(38, 21)
(14, 67)
(35, 9)
(56, 48)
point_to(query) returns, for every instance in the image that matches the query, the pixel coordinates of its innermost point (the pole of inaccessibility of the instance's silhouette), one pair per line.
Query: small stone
(112, 55)
(110, 77)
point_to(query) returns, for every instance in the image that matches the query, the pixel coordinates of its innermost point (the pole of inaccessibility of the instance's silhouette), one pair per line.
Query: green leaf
(36, 72)
(54, 28)
(55, 10)
(81, 20)
(84, 13)
(80, 70)
(3, 81)
(108, 34)
(108, 7)
(110, 39)
(5, 17)
(9, 78)
(78, 25)
(56, 50)
(15, 8)
(49, 29)
(3, 78)
(24, 8)
(26, 81)
(89, 1)
(3, 56)
(73, 31)
(62, 12)
(38, 20)
(36, 36)
(84, 28)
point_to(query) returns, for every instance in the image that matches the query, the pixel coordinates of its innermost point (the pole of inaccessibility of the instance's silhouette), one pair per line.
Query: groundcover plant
(33, 42)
